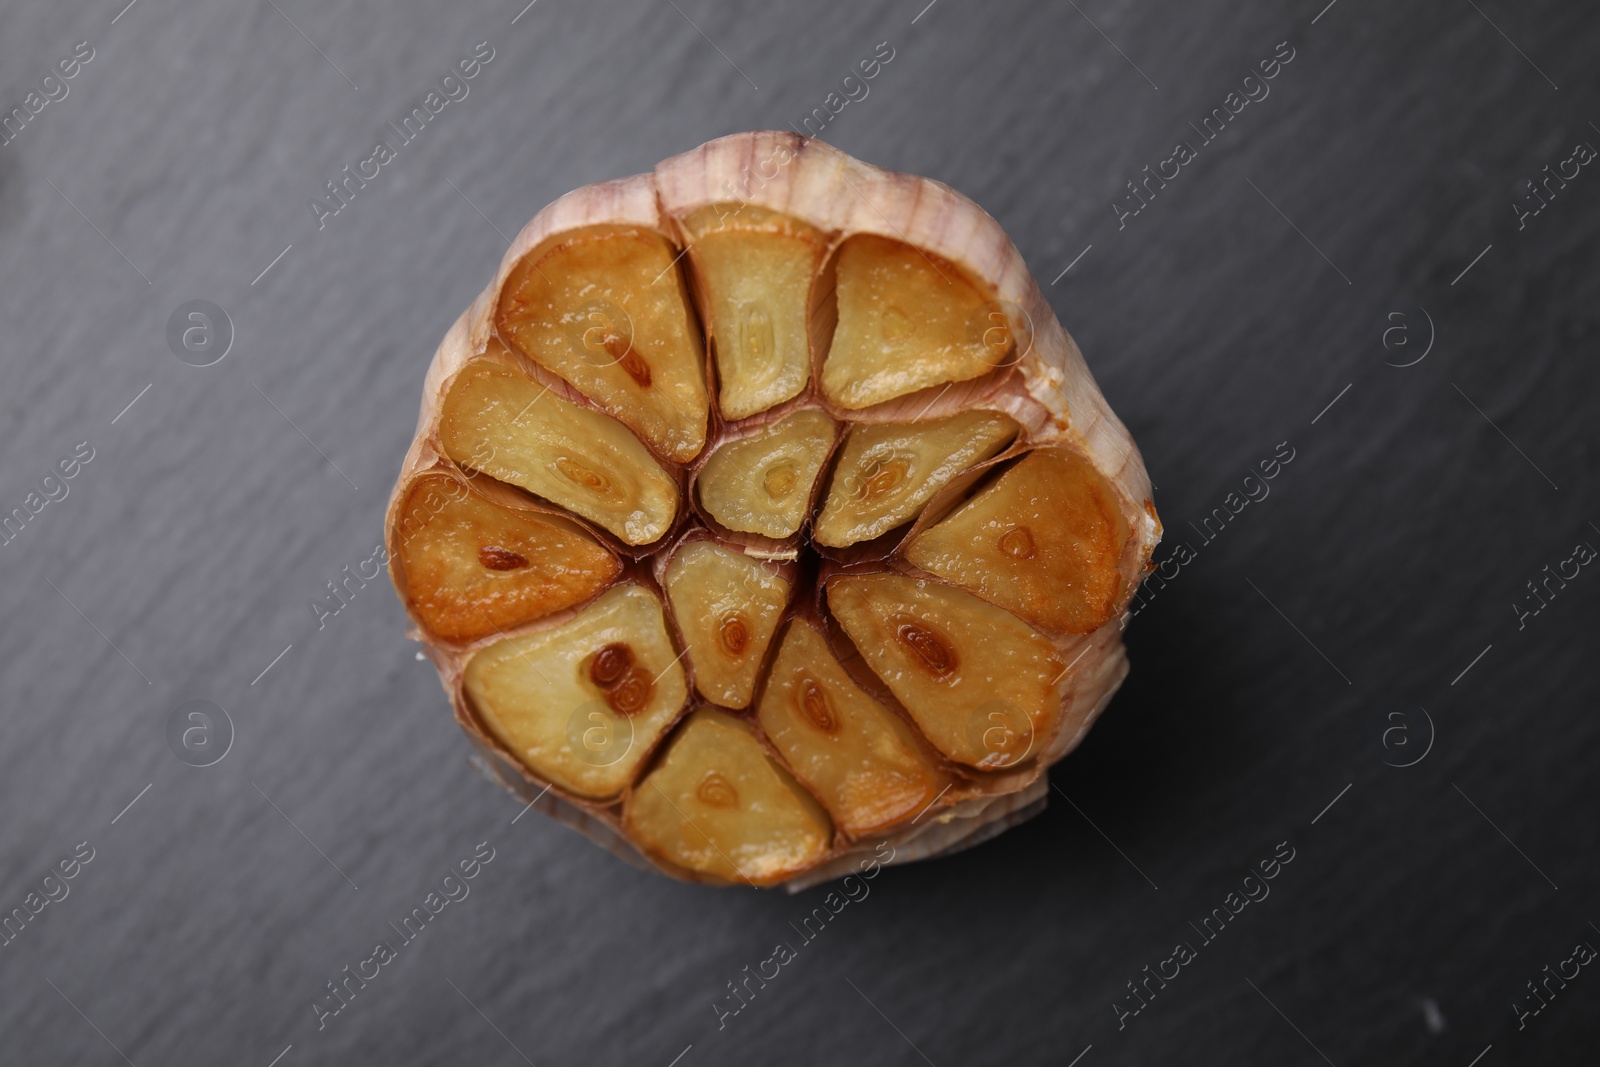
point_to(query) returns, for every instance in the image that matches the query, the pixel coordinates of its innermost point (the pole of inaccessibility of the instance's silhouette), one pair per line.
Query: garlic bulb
(760, 511)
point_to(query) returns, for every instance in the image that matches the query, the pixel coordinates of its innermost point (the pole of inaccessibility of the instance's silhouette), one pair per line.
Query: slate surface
(1373, 589)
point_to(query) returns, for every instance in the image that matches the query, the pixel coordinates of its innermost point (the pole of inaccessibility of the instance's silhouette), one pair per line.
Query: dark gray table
(1351, 666)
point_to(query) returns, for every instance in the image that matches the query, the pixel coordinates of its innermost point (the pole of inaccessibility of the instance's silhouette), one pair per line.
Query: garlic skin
(805, 207)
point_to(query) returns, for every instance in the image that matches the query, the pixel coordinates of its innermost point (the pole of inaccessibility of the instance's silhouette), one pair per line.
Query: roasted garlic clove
(503, 423)
(887, 472)
(473, 567)
(1045, 540)
(719, 805)
(980, 683)
(582, 703)
(856, 755)
(763, 483)
(727, 607)
(756, 268)
(907, 320)
(605, 309)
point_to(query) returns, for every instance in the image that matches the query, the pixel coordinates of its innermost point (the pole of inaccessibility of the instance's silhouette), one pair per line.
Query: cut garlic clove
(907, 320)
(718, 805)
(503, 423)
(582, 703)
(755, 267)
(471, 567)
(980, 683)
(1045, 540)
(856, 755)
(887, 472)
(606, 310)
(763, 483)
(727, 607)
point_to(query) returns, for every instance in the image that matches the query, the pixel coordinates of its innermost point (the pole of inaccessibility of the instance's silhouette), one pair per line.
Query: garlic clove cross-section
(582, 702)
(718, 804)
(887, 472)
(861, 760)
(727, 607)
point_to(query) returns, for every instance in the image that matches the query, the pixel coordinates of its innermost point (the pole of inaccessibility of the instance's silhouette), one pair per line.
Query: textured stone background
(1384, 564)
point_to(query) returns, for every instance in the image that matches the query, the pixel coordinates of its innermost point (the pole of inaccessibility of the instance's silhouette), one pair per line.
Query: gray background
(1378, 578)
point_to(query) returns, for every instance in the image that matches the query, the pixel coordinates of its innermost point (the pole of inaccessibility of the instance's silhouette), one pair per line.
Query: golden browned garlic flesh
(761, 513)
